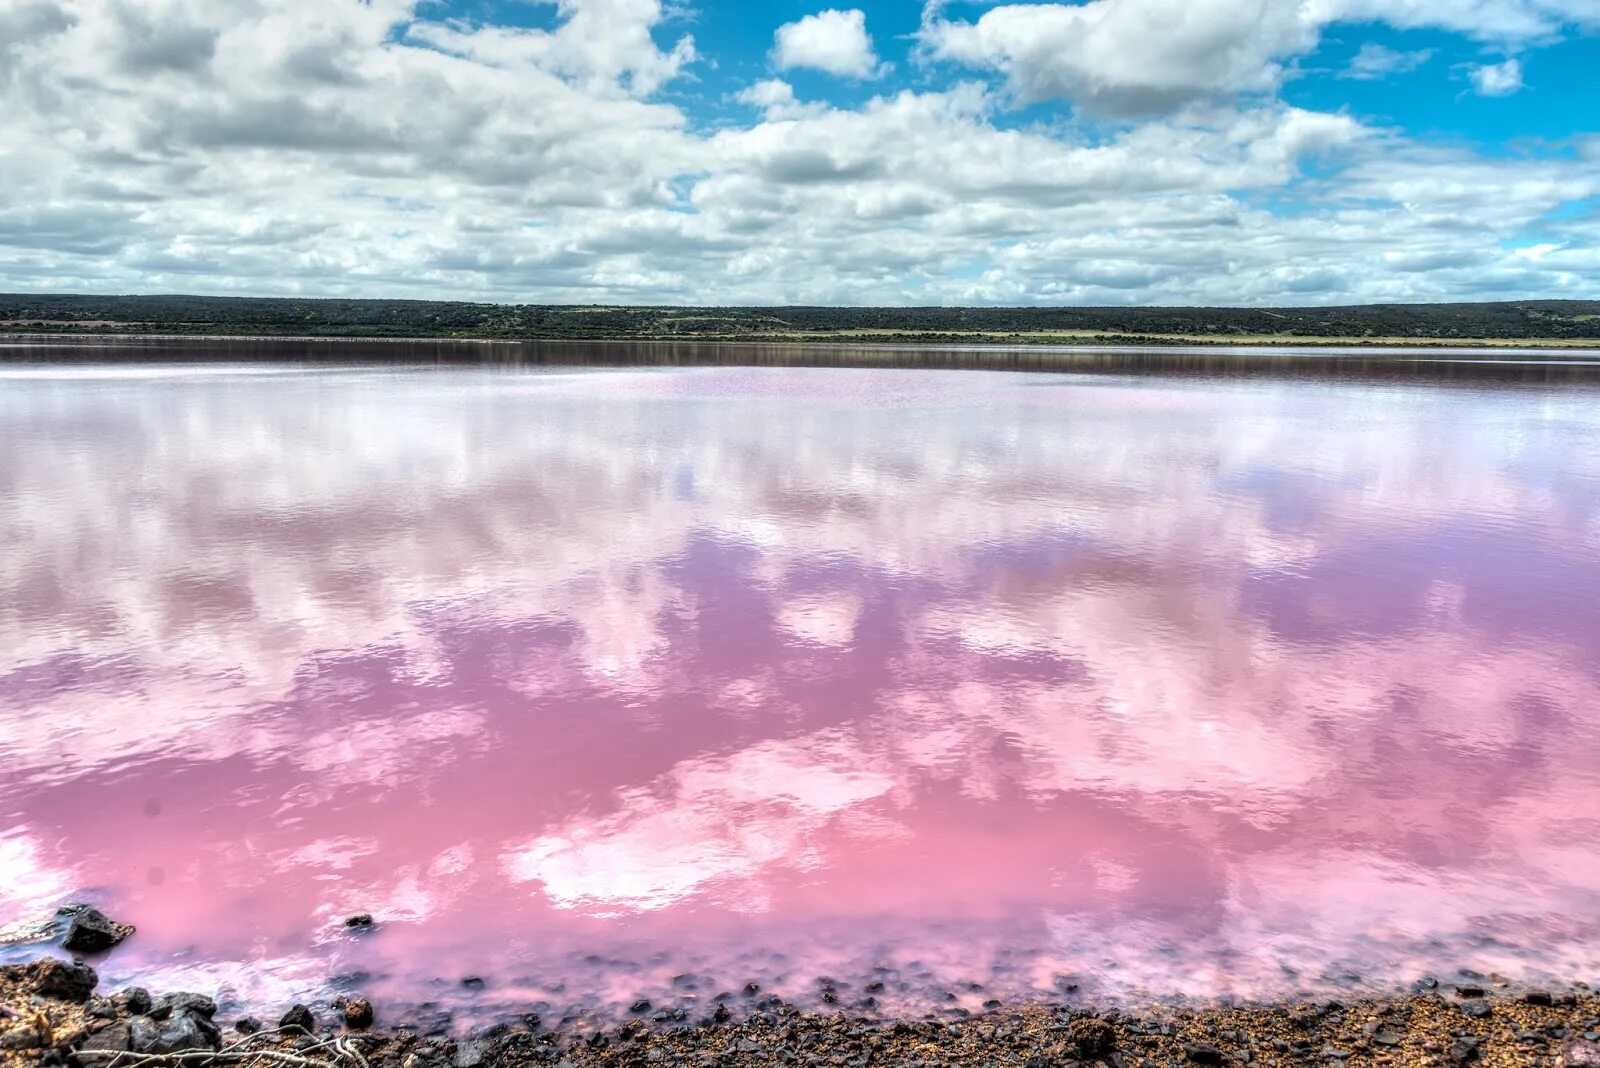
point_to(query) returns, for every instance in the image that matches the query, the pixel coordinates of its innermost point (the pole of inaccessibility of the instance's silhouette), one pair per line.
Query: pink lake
(602, 685)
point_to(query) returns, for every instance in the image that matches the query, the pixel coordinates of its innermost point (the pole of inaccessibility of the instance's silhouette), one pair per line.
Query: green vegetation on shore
(1563, 323)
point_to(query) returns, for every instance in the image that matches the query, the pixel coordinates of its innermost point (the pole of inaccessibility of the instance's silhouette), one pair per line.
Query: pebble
(298, 1016)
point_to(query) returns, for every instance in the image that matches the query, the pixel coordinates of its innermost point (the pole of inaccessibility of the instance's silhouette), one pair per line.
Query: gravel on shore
(52, 1015)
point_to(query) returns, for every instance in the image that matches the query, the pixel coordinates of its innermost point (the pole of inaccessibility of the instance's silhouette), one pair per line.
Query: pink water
(974, 684)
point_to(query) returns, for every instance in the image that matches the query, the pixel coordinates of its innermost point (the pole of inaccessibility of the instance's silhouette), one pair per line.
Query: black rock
(1538, 997)
(135, 999)
(298, 1016)
(181, 1002)
(1469, 991)
(752, 989)
(473, 982)
(1464, 1050)
(248, 1026)
(1385, 1037)
(640, 1007)
(722, 1015)
(359, 921)
(184, 1031)
(92, 931)
(62, 980)
(358, 1014)
(100, 1008)
(1202, 1053)
(112, 1040)
(1476, 1008)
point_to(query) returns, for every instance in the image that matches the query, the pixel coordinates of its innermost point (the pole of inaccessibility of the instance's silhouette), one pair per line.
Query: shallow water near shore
(926, 687)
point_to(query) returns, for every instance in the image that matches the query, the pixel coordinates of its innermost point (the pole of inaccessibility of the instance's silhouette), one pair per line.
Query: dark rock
(358, 1014)
(62, 980)
(1476, 1008)
(1538, 997)
(473, 982)
(1202, 1053)
(752, 989)
(181, 1002)
(100, 1008)
(135, 999)
(360, 921)
(142, 1034)
(248, 1026)
(184, 1031)
(92, 931)
(112, 1040)
(1469, 990)
(1385, 1037)
(298, 1016)
(640, 1007)
(1427, 982)
(1464, 1050)
(721, 1015)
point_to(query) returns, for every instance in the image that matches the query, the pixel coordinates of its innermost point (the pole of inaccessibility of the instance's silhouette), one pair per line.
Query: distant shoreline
(885, 342)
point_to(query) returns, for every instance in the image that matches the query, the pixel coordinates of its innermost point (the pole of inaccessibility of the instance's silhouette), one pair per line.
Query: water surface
(607, 684)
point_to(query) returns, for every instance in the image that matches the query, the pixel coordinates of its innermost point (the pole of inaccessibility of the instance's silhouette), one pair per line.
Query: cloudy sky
(729, 151)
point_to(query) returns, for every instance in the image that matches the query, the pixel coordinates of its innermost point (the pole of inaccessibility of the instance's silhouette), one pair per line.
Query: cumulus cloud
(1130, 58)
(832, 41)
(381, 149)
(1497, 79)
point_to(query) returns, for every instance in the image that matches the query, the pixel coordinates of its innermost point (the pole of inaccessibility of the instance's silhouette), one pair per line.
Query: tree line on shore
(1507, 320)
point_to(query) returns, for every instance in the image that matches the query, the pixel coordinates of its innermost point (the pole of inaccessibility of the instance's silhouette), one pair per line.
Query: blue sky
(1083, 151)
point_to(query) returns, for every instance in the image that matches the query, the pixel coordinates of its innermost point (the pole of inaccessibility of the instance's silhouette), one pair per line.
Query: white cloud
(368, 149)
(832, 41)
(1374, 62)
(1497, 79)
(1140, 57)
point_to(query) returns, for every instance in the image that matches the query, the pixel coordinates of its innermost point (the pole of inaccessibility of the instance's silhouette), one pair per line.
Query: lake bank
(52, 1012)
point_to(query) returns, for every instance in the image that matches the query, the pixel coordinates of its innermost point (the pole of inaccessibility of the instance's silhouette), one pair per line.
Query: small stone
(473, 982)
(1464, 1050)
(1469, 990)
(298, 1016)
(92, 931)
(1383, 1036)
(640, 1007)
(360, 921)
(248, 1026)
(1202, 1053)
(1538, 997)
(358, 1014)
(1476, 1008)
(135, 999)
(65, 981)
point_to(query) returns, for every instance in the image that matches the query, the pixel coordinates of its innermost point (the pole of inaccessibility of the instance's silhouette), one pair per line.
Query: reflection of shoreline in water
(1512, 364)
(1177, 678)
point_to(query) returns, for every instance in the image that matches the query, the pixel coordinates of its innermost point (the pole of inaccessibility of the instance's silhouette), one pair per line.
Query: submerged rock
(92, 931)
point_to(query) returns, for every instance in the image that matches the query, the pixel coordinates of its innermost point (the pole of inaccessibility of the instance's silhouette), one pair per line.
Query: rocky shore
(51, 1013)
